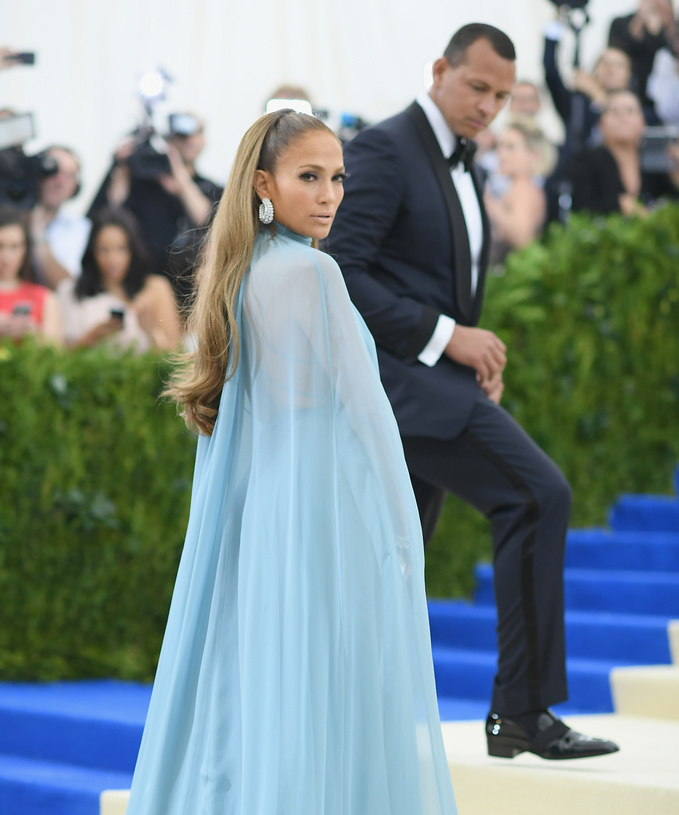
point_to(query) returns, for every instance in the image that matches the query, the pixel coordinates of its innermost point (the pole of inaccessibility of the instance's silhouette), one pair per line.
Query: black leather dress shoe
(550, 738)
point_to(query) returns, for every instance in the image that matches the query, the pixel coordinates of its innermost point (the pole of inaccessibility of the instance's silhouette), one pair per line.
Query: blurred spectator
(641, 35)
(116, 298)
(663, 86)
(295, 93)
(609, 178)
(25, 307)
(517, 216)
(525, 102)
(169, 206)
(59, 237)
(580, 107)
(525, 106)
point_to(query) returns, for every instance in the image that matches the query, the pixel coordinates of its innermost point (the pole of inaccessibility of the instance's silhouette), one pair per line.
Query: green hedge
(95, 477)
(591, 319)
(95, 471)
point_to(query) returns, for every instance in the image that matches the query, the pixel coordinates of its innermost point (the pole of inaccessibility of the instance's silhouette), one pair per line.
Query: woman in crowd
(609, 178)
(25, 307)
(115, 298)
(517, 216)
(296, 672)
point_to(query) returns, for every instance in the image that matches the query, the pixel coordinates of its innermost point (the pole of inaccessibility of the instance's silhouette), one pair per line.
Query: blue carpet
(621, 590)
(62, 743)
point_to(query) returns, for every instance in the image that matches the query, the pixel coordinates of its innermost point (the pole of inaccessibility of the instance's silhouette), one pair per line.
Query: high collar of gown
(283, 231)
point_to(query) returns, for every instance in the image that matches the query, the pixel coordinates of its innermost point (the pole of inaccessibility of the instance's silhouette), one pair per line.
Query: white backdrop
(365, 57)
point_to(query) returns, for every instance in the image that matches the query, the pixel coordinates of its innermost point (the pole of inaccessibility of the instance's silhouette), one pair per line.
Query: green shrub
(590, 317)
(95, 476)
(95, 471)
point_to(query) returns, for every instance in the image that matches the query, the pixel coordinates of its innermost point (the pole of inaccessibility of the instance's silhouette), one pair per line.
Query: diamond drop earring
(266, 211)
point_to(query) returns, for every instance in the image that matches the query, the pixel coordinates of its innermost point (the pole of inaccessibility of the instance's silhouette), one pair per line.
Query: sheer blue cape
(295, 676)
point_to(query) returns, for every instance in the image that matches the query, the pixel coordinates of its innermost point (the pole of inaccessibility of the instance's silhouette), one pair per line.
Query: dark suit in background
(401, 241)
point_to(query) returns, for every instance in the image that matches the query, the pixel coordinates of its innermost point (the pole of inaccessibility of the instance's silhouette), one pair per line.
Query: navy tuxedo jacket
(400, 240)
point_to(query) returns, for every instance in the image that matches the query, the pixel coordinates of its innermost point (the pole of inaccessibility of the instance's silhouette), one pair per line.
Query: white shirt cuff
(432, 351)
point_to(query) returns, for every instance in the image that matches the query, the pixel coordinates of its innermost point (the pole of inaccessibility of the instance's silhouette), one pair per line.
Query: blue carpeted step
(95, 724)
(46, 788)
(454, 709)
(628, 551)
(625, 638)
(461, 673)
(645, 513)
(650, 593)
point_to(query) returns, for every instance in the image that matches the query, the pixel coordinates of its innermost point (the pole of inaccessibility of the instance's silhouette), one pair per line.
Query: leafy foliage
(95, 476)
(95, 470)
(590, 317)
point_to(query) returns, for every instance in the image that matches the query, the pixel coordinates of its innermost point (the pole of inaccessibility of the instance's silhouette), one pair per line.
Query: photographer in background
(59, 237)
(612, 72)
(641, 35)
(169, 204)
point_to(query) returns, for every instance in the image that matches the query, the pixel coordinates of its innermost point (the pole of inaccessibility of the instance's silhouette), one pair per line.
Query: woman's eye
(341, 177)
(308, 176)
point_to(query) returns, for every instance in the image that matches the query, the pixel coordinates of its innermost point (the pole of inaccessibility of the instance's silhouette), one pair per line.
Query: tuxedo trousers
(496, 467)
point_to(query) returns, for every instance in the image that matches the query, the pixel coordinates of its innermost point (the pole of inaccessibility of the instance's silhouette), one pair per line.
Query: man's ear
(261, 183)
(439, 68)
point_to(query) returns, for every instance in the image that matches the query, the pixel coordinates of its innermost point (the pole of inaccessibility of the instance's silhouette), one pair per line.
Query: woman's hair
(14, 217)
(90, 282)
(535, 141)
(226, 255)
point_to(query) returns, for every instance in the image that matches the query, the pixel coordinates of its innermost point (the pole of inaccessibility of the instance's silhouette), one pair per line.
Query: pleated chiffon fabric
(296, 676)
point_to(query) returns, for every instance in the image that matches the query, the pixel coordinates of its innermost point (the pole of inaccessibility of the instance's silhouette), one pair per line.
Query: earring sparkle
(266, 211)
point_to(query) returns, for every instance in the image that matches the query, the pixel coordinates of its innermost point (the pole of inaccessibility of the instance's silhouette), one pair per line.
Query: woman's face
(622, 121)
(12, 251)
(307, 185)
(112, 254)
(515, 157)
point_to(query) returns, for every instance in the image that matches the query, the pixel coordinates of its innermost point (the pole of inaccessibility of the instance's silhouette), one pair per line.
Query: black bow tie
(464, 152)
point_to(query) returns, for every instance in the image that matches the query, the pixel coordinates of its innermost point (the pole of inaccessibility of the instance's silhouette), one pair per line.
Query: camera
(149, 159)
(20, 175)
(183, 125)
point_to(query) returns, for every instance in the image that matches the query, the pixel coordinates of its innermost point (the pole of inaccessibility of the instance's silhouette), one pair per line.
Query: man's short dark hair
(456, 50)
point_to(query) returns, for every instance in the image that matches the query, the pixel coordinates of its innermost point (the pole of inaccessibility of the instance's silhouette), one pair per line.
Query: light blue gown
(295, 676)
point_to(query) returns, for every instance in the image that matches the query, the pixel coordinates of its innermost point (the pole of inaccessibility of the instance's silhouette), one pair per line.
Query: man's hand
(492, 387)
(479, 349)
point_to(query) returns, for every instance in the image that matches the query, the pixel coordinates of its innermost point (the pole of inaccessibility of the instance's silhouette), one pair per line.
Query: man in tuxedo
(412, 240)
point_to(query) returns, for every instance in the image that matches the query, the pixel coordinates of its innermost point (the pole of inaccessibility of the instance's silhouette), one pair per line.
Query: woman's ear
(262, 182)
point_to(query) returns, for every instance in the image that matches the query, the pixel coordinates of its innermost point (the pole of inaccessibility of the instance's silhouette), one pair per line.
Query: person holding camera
(116, 299)
(579, 107)
(641, 35)
(59, 237)
(25, 307)
(166, 204)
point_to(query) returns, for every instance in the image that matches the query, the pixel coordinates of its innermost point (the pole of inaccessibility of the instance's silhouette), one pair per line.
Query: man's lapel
(467, 305)
(479, 179)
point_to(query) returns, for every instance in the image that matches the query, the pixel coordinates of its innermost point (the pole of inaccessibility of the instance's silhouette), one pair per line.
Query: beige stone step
(647, 690)
(113, 802)
(673, 634)
(642, 779)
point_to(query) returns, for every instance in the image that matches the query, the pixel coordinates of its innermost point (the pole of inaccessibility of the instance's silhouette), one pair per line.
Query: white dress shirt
(469, 201)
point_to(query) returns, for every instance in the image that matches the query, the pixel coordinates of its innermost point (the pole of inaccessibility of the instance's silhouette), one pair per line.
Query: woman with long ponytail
(295, 676)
